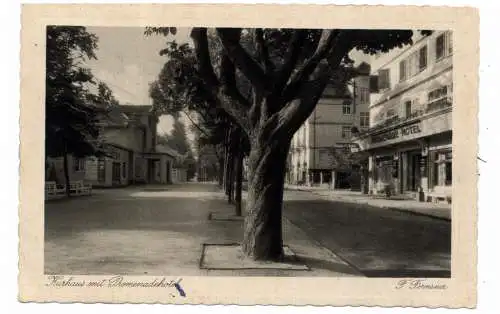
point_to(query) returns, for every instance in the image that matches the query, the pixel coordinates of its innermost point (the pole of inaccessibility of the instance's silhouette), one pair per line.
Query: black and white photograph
(250, 153)
(278, 152)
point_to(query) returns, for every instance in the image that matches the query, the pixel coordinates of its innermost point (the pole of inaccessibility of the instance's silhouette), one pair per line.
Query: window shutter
(374, 83)
(423, 58)
(402, 70)
(383, 79)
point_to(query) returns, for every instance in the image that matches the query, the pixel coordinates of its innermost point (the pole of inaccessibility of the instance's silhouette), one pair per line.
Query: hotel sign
(397, 133)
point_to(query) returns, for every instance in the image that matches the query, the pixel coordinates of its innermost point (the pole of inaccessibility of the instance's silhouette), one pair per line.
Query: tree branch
(329, 38)
(224, 98)
(200, 40)
(262, 51)
(290, 60)
(291, 117)
(195, 124)
(242, 60)
(228, 80)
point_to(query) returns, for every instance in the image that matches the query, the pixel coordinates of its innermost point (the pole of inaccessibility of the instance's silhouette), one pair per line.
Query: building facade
(128, 140)
(409, 141)
(320, 143)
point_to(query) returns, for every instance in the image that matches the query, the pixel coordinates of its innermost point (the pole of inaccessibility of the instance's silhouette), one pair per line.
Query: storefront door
(413, 171)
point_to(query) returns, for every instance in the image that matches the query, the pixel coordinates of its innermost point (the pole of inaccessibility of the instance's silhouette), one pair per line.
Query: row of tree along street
(252, 89)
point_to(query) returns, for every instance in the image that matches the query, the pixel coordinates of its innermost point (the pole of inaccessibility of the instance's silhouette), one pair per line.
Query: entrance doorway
(413, 171)
(116, 173)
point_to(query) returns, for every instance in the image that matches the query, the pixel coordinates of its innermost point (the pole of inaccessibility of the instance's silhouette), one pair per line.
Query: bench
(80, 188)
(439, 193)
(52, 190)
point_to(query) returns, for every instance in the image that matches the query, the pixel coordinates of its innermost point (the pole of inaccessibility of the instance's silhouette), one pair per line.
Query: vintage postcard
(249, 154)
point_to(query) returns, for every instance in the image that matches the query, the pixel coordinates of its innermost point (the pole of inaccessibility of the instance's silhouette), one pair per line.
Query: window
(78, 164)
(364, 119)
(402, 70)
(364, 95)
(442, 169)
(346, 108)
(124, 170)
(440, 47)
(384, 79)
(408, 108)
(444, 45)
(374, 83)
(346, 132)
(422, 58)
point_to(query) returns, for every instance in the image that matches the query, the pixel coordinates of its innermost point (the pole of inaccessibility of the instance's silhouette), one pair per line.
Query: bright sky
(128, 61)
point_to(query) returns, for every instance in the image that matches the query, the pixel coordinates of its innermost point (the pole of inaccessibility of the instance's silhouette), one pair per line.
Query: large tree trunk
(262, 232)
(230, 178)
(239, 180)
(66, 174)
(220, 173)
(226, 171)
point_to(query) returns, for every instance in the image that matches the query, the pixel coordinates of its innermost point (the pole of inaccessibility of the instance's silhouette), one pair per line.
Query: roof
(164, 149)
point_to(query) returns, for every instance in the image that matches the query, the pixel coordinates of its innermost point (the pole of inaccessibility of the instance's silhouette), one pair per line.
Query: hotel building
(323, 141)
(409, 142)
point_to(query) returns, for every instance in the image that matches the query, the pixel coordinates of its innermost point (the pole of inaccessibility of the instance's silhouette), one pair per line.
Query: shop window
(79, 164)
(448, 168)
(442, 169)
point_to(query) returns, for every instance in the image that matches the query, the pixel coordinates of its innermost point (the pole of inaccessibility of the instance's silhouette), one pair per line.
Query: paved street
(160, 230)
(377, 241)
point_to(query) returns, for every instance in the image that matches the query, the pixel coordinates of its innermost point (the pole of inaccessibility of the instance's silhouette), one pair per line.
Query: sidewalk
(440, 211)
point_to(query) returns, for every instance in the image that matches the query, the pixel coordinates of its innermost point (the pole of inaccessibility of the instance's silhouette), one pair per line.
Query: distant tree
(179, 141)
(70, 118)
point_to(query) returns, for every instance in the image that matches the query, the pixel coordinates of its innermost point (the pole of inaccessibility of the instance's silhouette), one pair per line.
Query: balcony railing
(433, 106)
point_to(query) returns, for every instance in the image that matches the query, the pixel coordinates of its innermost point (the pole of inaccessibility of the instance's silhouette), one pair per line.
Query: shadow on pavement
(378, 242)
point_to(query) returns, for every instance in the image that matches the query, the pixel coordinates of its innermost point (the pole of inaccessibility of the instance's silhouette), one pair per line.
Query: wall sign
(397, 133)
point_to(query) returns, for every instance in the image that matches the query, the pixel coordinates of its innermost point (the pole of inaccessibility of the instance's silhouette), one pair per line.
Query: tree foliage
(70, 118)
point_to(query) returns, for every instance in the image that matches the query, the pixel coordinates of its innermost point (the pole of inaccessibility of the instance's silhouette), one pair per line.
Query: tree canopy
(70, 119)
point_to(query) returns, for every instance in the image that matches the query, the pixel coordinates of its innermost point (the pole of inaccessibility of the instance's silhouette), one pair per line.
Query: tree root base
(229, 256)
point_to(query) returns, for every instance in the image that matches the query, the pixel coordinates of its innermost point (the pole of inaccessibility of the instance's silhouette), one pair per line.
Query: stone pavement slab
(230, 256)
